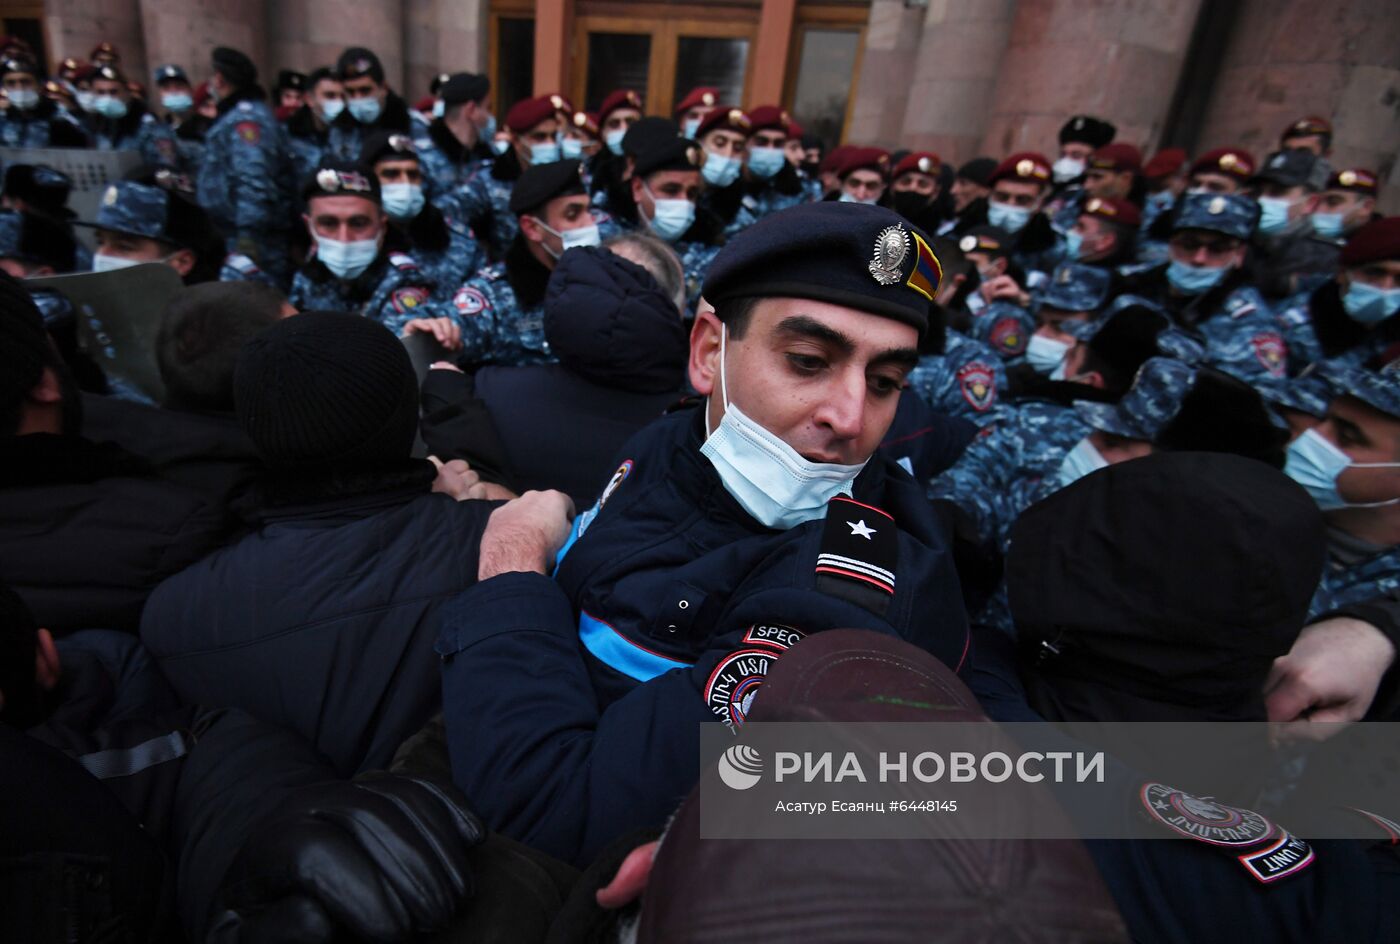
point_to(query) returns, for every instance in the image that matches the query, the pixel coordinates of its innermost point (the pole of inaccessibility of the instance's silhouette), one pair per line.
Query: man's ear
(631, 879)
(48, 390)
(47, 667)
(705, 337)
(638, 192)
(530, 229)
(310, 230)
(1092, 379)
(182, 261)
(999, 265)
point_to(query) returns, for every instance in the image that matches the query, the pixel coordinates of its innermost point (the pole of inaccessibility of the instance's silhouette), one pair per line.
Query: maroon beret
(769, 118)
(1024, 165)
(1119, 211)
(527, 113)
(864, 158)
(1358, 179)
(722, 116)
(1116, 157)
(702, 97)
(921, 162)
(622, 98)
(1164, 163)
(1377, 241)
(1233, 162)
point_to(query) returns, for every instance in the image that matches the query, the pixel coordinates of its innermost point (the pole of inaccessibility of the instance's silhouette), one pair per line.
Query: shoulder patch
(249, 132)
(402, 260)
(1271, 352)
(858, 555)
(242, 263)
(775, 635)
(409, 298)
(1287, 855)
(615, 482)
(245, 106)
(1203, 819)
(469, 301)
(978, 385)
(735, 680)
(1007, 337)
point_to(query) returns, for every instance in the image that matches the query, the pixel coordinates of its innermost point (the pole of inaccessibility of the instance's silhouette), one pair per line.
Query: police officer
(309, 127)
(140, 222)
(31, 121)
(461, 135)
(1205, 290)
(1074, 293)
(997, 311)
(972, 185)
(915, 188)
(442, 247)
(729, 531)
(1224, 170)
(1355, 315)
(245, 180)
(289, 92)
(1105, 233)
(177, 103)
(1164, 179)
(723, 134)
(863, 175)
(770, 182)
(1080, 137)
(370, 105)
(580, 138)
(483, 202)
(352, 269)
(1347, 204)
(500, 310)
(693, 107)
(120, 122)
(609, 171)
(1112, 174)
(1020, 188)
(1286, 255)
(619, 111)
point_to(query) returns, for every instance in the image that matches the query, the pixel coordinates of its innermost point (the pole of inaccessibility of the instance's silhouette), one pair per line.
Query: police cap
(1164, 163)
(1380, 391)
(674, 153)
(986, 238)
(38, 239)
(1116, 157)
(169, 73)
(464, 87)
(541, 183)
(1355, 179)
(979, 170)
(386, 145)
(1114, 209)
(357, 61)
(1228, 213)
(647, 134)
(1024, 165)
(770, 118)
(1232, 162)
(726, 118)
(338, 178)
(864, 158)
(1076, 287)
(1086, 129)
(921, 162)
(1292, 168)
(151, 212)
(288, 79)
(703, 97)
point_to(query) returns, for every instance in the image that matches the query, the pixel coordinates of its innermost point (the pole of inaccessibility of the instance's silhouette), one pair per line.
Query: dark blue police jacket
(572, 705)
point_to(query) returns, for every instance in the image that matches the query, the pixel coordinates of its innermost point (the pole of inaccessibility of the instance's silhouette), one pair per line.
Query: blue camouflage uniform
(138, 130)
(483, 202)
(764, 197)
(453, 263)
(237, 267)
(245, 183)
(1005, 327)
(448, 163)
(1320, 332)
(46, 125)
(497, 328)
(393, 291)
(965, 380)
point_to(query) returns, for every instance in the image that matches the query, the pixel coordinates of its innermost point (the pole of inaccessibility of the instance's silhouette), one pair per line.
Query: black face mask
(909, 204)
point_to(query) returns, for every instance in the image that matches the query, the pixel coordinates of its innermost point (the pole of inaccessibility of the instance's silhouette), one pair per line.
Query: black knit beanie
(24, 347)
(327, 387)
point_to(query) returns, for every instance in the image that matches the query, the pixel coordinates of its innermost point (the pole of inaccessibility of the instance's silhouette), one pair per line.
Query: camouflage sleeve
(253, 175)
(474, 313)
(159, 146)
(1247, 342)
(966, 383)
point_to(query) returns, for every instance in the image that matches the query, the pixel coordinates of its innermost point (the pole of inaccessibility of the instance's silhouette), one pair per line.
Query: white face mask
(346, 260)
(570, 238)
(1066, 169)
(402, 201)
(1080, 461)
(1315, 463)
(767, 477)
(1044, 354)
(23, 99)
(105, 263)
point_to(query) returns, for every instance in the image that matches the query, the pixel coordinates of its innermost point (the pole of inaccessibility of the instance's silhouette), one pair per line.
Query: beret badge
(891, 249)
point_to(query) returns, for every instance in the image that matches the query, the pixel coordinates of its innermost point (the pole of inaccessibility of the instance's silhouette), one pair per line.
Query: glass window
(824, 76)
(705, 60)
(616, 61)
(515, 71)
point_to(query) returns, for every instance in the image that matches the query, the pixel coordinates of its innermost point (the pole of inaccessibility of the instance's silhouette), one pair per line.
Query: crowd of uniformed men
(1110, 436)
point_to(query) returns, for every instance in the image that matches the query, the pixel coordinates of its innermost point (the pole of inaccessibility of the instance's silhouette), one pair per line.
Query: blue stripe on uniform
(613, 649)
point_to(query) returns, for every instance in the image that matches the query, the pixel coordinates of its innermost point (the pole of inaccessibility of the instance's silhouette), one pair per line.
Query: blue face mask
(1007, 217)
(571, 148)
(768, 478)
(1080, 461)
(1370, 305)
(499, 146)
(1315, 463)
(692, 125)
(23, 99)
(1273, 214)
(1328, 225)
(346, 260)
(488, 130)
(720, 171)
(331, 109)
(1193, 280)
(847, 198)
(613, 139)
(402, 201)
(109, 106)
(177, 101)
(365, 110)
(671, 218)
(439, 107)
(545, 153)
(1044, 354)
(765, 162)
(1074, 244)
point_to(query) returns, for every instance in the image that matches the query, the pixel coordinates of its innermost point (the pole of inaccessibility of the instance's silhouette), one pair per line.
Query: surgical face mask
(346, 260)
(1080, 461)
(365, 110)
(1327, 224)
(765, 162)
(613, 139)
(848, 198)
(109, 106)
(105, 263)
(1044, 354)
(1273, 214)
(571, 148)
(720, 171)
(85, 100)
(1315, 463)
(499, 146)
(331, 109)
(23, 99)
(768, 478)
(671, 218)
(402, 201)
(1066, 169)
(1368, 304)
(1074, 244)
(177, 101)
(1007, 217)
(489, 129)
(546, 152)
(570, 238)
(692, 125)
(439, 107)
(1193, 280)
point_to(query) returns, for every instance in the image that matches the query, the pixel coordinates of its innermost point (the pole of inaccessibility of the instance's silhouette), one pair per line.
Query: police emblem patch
(1286, 856)
(1006, 336)
(1271, 352)
(408, 299)
(249, 132)
(775, 635)
(1203, 819)
(978, 385)
(736, 679)
(891, 249)
(615, 482)
(469, 301)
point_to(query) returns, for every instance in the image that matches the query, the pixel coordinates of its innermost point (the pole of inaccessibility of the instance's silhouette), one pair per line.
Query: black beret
(864, 257)
(464, 87)
(541, 183)
(1087, 129)
(673, 153)
(387, 145)
(979, 170)
(357, 61)
(337, 178)
(287, 79)
(646, 132)
(234, 66)
(41, 187)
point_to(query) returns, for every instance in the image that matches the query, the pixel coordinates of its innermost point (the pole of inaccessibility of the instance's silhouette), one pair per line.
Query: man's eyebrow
(807, 327)
(906, 357)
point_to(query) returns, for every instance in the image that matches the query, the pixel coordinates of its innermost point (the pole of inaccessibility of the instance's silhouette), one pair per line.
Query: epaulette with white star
(859, 554)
